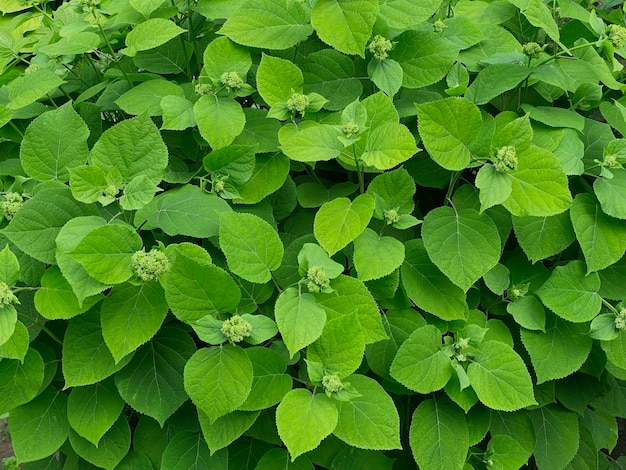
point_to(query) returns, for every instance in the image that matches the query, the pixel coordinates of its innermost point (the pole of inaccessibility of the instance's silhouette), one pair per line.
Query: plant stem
(359, 170)
(610, 307)
(113, 56)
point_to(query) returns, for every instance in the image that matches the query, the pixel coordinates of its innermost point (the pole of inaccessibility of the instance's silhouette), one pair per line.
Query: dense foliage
(356, 234)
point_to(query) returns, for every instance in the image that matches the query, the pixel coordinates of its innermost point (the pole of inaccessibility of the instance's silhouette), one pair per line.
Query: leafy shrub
(277, 234)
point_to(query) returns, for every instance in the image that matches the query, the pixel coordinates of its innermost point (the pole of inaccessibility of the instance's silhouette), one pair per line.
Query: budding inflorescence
(202, 89)
(332, 383)
(236, 329)
(298, 103)
(439, 26)
(11, 204)
(89, 6)
(149, 266)
(620, 320)
(617, 36)
(391, 216)
(379, 47)
(532, 50)
(610, 161)
(317, 279)
(505, 159)
(350, 129)
(231, 80)
(7, 297)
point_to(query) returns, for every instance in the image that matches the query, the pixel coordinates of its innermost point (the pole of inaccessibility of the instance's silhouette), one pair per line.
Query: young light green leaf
(340, 221)
(528, 312)
(39, 427)
(448, 128)
(371, 420)
(375, 256)
(223, 56)
(299, 318)
(152, 383)
(150, 34)
(9, 267)
(500, 379)
(439, 436)
(138, 193)
(105, 252)
(428, 287)
(219, 120)
(16, 346)
(494, 80)
(131, 315)
(53, 143)
(386, 74)
(542, 237)
(252, 247)
(277, 79)
(495, 186)
(218, 379)
(270, 383)
(177, 113)
(558, 352)
(304, 419)
(28, 88)
(602, 238)
(93, 409)
(310, 142)
(268, 25)
(507, 453)
(402, 14)
(572, 294)
(388, 145)
(146, 97)
(111, 449)
(269, 175)
(464, 244)
(611, 194)
(346, 26)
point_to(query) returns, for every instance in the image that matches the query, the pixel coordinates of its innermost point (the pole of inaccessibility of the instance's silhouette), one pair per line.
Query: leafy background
(313, 233)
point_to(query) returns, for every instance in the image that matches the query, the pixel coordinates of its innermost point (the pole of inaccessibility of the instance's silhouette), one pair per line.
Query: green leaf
(558, 352)
(56, 299)
(8, 320)
(495, 186)
(304, 419)
(223, 56)
(539, 186)
(556, 117)
(39, 427)
(313, 255)
(557, 436)
(28, 88)
(448, 128)
(152, 383)
(528, 312)
(341, 346)
(268, 25)
(611, 194)
(279, 458)
(54, 142)
(425, 57)
(20, 380)
(135, 461)
(464, 244)
(93, 409)
(133, 146)
(603, 327)
(428, 287)
(542, 237)
(186, 210)
(16, 346)
(388, 145)
(393, 190)
(146, 97)
(177, 113)
(9, 267)
(516, 425)
(194, 289)
(88, 183)
(340, 221)
(494, 80)
(346, 26)
(269, 175)
(218, 379)
(499, 377)
(223, 431)
(386, 74)
(111, 449)
(539, 15)
(86, 358)
(420, 363)
(277, 79)
(507, 453)
(376, 256)
(331, 74)
(219, 120)
(402, 14)
(572, 294)
(270, 383)
(252, 247)
(602, 238)
(371, 420)
(235, 161)
(36, 225)
(150, 34)
(138, 193)
(106, 251)
(299, 318)
(438, 436)
(189, 450)
(310, 142)
(616, 350)
(131, 315)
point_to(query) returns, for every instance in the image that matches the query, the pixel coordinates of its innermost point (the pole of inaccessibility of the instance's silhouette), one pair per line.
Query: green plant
(355, 234)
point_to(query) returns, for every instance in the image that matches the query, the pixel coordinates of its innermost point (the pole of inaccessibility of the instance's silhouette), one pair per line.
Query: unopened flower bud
(298, 103)
(505, 159)
(11, 204)
(231, 80)
(149, 266)
(236, 329)
(7, 297)
(391, 216)
(532, 50)
(332, 383)
(617, 36)
(379, 47)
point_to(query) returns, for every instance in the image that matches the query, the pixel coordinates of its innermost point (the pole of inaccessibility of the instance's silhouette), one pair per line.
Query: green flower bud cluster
(617, 36)
(620, 320)
(33, 68)
(391, 216)
(11, 204)
(610, 161)
(236, 329)
(231, 80)
(298, 103)
(532, 50)
(149, 266)
(218, 185)
(317, 279)
(379, 47)
(506, 159)
(350, 129)
(439, 26)
(7, 297)
(202, 89)
(89, 6)
(332, 383)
